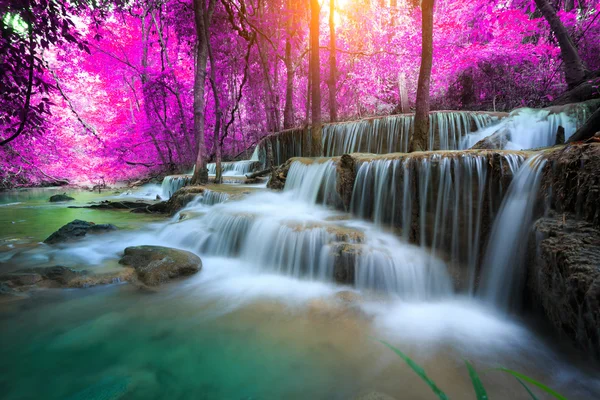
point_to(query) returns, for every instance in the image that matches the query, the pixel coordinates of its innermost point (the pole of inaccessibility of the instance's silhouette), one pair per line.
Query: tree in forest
(333, 109)
(315, 63)
(575, 70)
(420, 135)
(27, 28)
(203, 12)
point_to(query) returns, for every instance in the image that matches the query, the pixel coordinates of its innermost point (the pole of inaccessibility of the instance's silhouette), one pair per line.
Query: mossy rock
(155, 265)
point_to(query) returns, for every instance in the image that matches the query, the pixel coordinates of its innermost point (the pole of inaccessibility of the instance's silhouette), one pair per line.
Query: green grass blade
(418, 370)
(534, 382)
(477, 385)
(527, 388)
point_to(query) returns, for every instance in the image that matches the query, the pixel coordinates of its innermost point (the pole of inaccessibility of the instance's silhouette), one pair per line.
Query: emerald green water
(232, 332)
(34, 218)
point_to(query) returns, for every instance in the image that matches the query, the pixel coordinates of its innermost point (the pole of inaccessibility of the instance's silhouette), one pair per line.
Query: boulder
(61, 275)
(182, 198)
(19, 279)
(564, 278)
(57, 276)
(155, 265)
(77, 229)
(60, 197)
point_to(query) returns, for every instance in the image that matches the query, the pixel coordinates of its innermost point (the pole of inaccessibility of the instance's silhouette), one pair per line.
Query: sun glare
(339, 6)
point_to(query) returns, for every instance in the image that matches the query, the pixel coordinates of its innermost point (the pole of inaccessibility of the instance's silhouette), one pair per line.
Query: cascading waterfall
(503, 271)
(234, 168)
(209, 198)
(447, 128)
(441, 200)
(391, 134)
(173, 183)
(528, 128)
(288, 234)
(376, 135)
(313, 181)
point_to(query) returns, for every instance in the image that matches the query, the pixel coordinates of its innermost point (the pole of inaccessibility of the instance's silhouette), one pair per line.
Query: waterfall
(391, 266)
(234, 168)
(503, 270)
(528, 128)
(313, 181)
(375, 135)
(391, 134)
(173, 183)
(440, 200)
(447, 128)
(209, 198)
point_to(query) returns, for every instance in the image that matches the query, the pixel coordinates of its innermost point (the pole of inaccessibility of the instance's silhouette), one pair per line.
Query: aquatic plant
(480, 391)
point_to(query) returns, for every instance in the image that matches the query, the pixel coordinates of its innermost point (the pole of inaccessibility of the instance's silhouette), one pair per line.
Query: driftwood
(588, 130)
(259, 173)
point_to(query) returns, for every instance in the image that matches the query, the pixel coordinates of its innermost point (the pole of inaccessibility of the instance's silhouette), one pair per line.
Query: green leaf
(534, 382)
(527, 388)
(418, 370)
(477, 385)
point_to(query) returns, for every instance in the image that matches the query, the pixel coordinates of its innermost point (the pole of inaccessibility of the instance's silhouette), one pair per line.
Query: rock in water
(155, 265)
(60, 197)
(77, 229)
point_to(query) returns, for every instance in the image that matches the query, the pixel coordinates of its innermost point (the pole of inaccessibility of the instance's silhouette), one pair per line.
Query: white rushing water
(235, 168)
(504, 270)
(528, 128)
(391, 134)
(173, 183)
(438, 200)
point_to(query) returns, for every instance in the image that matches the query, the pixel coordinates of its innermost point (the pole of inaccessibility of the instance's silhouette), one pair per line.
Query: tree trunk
(200, 172)
(315, 63)
(288, 111)
(575, 70)
(421, 131)
(332, 65)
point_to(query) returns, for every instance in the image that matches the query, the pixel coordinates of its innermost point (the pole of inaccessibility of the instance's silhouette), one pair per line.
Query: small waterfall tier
(379, 135)
(173, 183)
(503, 272)
(444, 201)
(392, 134)
(235, 168)
(527, 128)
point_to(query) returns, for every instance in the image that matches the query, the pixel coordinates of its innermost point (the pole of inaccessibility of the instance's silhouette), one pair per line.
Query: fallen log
(258, 174)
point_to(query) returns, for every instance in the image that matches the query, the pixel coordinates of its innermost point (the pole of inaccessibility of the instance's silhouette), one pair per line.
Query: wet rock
(344, 261)
(155, 265)
(564, 278)
(105, 278)
(182, 198)
(61, 275)
(77, 229)
(60, 197)
(495, 141)
(346, 174)
(117, 205)
(19, 279)
(571, 181)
